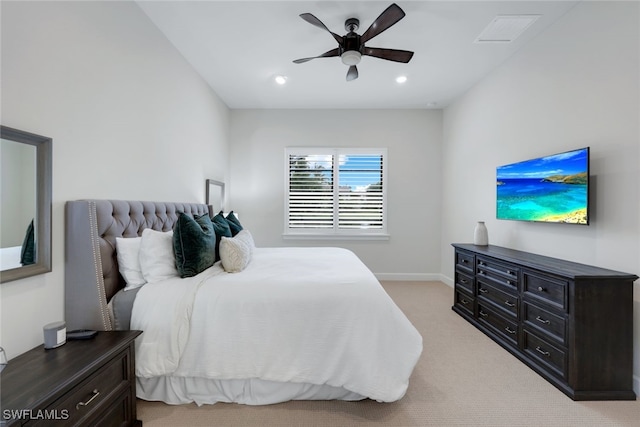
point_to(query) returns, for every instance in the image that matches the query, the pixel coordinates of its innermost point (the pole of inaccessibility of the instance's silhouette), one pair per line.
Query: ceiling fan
(351, 46)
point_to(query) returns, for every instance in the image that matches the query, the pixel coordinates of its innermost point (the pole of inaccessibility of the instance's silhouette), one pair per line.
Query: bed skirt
(202, 391)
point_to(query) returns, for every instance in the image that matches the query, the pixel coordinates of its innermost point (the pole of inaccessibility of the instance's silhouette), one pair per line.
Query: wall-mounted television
(546, 189)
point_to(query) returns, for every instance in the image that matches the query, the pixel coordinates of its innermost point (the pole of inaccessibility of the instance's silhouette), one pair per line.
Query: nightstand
(83, 382)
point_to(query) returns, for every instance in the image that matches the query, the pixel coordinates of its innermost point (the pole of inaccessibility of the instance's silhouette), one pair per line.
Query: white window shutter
(336, 191)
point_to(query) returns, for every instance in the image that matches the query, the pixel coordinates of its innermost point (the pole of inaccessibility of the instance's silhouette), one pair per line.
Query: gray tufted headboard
(91, 266)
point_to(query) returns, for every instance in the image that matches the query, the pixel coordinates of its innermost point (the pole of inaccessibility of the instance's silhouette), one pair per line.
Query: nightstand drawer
(92, 395)
(550, 324)
(542, 351)
(548, 289)
(116, 413)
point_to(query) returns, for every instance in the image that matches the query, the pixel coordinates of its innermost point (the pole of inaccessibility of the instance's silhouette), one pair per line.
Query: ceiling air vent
(505, 28)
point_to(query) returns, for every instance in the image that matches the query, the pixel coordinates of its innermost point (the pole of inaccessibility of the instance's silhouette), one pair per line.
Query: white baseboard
(636, 384)
(447, 280)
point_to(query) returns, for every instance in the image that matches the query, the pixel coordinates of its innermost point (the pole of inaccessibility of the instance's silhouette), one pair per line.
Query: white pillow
(245, 237)
(127, 250)
(157, 260)
(234, 254)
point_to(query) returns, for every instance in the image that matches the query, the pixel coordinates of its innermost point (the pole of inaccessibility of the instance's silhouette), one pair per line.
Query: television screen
(547, 189)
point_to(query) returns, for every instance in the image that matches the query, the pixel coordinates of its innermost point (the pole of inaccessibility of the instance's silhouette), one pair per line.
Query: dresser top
(560, 267)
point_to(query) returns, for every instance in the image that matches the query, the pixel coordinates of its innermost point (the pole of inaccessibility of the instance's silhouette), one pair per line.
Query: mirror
(215, 195)
(25, 212)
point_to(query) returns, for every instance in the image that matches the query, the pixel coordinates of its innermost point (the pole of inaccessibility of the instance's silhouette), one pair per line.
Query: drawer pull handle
(464, 301)
(511, 331)
(541, 320)
(482, 290)
(95, 394)
(464, 261)
(509, 272)
(509, 282)
(481, 272)
(509, 304)
(541, 289)
(483, 314)
(463, 281)
(543, 352)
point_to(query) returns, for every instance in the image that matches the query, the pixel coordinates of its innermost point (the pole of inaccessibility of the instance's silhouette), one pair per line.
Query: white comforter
(304, 315)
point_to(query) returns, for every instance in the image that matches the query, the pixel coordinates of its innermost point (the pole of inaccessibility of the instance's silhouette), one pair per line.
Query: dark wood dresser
(82, 383)
(571, 323)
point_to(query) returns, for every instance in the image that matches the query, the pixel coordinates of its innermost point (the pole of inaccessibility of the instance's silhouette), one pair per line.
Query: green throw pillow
(194, 244)
(221, 227)
(28, 251)
(234, 223)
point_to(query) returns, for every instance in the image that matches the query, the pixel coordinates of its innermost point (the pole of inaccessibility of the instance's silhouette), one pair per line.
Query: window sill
(341, 236)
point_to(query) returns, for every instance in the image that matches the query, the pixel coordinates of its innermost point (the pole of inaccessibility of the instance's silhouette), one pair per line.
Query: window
(336, 192)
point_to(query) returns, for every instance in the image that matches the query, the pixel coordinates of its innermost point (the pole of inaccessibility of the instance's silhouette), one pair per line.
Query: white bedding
(10, 257)
(313, 316)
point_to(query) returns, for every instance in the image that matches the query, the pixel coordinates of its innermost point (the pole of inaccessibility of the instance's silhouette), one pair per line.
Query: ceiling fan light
(351, 57)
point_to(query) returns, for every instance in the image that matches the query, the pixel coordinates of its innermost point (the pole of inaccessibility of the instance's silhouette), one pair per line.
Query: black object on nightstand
(85, 382)
(81, 334)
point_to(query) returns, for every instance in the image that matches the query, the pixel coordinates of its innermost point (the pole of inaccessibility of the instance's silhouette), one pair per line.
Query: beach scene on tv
(547, 189)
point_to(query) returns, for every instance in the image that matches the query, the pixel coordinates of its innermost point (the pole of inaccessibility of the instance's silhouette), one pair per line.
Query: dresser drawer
(464, 261)
(548, 289)
(544, 321)
(554, 358)
(505, 328)
(464, 300)
(465, 281)
(499, 274)
(503, 300)
(92, 395)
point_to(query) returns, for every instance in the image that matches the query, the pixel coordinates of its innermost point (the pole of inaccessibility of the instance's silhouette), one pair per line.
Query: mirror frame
(43, 204)
(210, 185)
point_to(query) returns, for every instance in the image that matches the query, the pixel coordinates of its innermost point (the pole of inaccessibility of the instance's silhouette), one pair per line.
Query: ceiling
(238, 47)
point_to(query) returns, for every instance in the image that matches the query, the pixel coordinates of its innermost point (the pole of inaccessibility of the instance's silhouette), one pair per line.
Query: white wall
(129, 118)
(413, 139)
(575, 85)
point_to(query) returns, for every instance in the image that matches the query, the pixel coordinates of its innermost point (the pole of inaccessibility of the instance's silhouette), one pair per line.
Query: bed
(292, 324)
(10, 258)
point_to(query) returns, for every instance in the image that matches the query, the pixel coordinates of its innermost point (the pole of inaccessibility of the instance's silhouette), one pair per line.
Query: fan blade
(389, 54)
(352, 74)
(389, 17)
(315, 21)
(332, 52)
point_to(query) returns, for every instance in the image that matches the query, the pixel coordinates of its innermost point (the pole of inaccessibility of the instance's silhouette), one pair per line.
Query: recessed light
(281, 79)
(401, 79)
